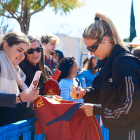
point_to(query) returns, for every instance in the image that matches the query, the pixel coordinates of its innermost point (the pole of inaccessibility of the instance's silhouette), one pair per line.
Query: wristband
(19, 98)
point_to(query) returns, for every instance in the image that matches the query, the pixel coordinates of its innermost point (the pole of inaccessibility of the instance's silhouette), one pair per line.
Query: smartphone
(56, 74)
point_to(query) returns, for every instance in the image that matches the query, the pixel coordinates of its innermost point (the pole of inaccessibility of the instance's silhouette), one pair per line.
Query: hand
(88, 109)
(29, 97)
(57, 97)
(74, 93)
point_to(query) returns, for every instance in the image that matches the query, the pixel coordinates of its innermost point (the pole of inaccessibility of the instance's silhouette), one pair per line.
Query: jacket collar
(105, 65)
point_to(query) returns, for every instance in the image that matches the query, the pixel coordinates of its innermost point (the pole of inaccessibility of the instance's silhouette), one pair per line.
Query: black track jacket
(119, 106)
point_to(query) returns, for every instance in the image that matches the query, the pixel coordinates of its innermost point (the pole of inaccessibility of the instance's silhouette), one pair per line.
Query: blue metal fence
(25, 127)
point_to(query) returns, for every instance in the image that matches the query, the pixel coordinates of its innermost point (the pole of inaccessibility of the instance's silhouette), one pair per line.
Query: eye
(19, 50)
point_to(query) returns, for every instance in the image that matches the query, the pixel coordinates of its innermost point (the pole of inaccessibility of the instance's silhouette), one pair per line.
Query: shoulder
(63, 83)
(47, 70)
(126, 66)
(53, 60)
(126, 61)
(83, 72)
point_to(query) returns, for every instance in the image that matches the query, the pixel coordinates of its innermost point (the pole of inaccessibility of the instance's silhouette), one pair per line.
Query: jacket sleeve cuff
(98, 109)
(89, 96)
(7, 100)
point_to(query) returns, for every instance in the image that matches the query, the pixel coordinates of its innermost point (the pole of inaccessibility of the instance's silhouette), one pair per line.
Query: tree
(22, 10)
(5, 26)
(132, 24)
(126, 39)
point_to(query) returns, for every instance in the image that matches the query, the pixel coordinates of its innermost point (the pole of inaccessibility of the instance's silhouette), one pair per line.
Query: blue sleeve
(7, 100)
(65, 91)
(80, 76)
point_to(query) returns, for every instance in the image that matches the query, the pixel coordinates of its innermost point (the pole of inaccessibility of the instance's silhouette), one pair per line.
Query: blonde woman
(116, 99)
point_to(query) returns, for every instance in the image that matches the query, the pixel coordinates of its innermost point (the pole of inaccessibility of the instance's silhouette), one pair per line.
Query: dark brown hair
(91, 66)
(65, 66)
(41, 62)
(13, 38)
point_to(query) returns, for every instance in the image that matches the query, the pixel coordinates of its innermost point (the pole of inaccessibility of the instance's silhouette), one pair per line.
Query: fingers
(88, 109)
(36, 93)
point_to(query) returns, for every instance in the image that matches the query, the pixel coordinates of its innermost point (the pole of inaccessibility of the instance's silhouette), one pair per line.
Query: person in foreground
(117, 100)
(13, 47)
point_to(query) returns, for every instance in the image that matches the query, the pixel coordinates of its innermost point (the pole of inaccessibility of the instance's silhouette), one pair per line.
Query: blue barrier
(25, 127)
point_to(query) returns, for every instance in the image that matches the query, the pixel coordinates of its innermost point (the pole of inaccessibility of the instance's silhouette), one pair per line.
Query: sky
(74, 22)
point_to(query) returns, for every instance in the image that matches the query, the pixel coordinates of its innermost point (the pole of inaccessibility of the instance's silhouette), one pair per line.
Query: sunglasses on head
(31, 51)
(94, 47)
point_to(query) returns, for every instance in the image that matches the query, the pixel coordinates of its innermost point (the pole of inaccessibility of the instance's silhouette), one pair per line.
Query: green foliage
(22, 10)
(34, 5)
(13, 5)
(65, 5)
(126, 39)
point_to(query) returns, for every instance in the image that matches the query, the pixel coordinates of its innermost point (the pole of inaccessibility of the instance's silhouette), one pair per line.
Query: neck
(111, 46)
(47, 54)
(69, 77)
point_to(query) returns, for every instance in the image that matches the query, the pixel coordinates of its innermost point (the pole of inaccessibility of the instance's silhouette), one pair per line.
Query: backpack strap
(119, 56)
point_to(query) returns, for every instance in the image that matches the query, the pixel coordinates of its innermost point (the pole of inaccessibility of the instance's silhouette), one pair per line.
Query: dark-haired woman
(34, 61)
(69, 68)
(13, 48)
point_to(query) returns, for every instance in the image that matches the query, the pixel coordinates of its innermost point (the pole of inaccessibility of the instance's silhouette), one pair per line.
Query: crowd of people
(109, 71)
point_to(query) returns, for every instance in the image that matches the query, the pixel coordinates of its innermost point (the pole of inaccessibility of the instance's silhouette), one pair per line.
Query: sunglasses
(31, 51)
(94, 47)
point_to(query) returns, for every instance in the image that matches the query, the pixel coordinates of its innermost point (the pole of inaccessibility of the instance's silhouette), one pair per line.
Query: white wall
(73, 46)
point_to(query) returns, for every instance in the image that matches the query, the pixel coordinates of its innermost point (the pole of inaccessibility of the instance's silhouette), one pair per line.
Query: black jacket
(118, 105)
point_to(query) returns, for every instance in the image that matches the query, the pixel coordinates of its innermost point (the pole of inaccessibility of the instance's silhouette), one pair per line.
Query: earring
(106, 42)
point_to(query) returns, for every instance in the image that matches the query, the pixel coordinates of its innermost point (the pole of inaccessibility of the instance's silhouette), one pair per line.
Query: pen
(78, 88)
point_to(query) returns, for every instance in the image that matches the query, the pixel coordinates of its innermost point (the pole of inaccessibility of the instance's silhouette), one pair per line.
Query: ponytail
(103, 24)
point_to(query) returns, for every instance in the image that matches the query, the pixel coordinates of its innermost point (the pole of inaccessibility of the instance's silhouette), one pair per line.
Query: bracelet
(19, 98)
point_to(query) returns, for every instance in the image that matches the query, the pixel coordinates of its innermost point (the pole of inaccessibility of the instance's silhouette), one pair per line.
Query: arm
(90, 94)
(65, 93)
(93, 93)
(8, 100)
(128, 101)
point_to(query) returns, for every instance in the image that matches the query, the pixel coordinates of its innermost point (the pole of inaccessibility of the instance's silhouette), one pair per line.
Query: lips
(35, 57)
(18, 59)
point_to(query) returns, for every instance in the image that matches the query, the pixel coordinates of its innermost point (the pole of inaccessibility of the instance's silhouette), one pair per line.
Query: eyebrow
(21, 48)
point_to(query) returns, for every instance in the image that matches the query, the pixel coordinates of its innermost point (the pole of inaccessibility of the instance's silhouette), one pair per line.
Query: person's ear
(105, 40)
(43, 44)
(5, 46)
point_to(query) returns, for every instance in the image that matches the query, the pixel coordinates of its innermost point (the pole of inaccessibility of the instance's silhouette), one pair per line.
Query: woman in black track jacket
(115, 93)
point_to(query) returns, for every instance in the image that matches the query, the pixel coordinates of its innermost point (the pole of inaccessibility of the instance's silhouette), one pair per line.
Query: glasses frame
(38, 50)
(94, 47)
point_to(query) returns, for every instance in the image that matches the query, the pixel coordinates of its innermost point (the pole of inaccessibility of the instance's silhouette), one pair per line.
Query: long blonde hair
(101, 25)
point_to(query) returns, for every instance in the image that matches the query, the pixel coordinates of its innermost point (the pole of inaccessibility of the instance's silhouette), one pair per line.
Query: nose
(22, 55)
(35, 52)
